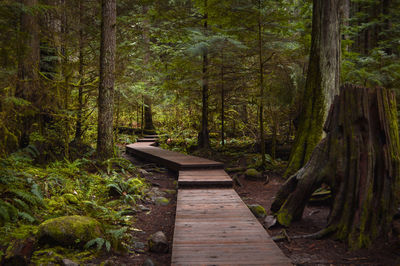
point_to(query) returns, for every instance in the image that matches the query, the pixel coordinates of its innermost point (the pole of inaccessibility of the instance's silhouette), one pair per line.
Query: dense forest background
(161, 46)
(205, 74)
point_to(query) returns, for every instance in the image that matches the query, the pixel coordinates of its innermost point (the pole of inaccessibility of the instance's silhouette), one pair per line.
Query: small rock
(252, 174)
(142, 171)
(143, 208)
(270, 221)
(171, 191)
(148, 262)
(68, 262)
(257, 210)
(107, 263)
(158, 243)
(139, 245)
(161, 201)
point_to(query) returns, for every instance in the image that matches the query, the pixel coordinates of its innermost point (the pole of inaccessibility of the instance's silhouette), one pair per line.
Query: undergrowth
(31, 194)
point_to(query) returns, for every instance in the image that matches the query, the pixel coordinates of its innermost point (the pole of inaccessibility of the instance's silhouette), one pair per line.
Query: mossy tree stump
(359, 160)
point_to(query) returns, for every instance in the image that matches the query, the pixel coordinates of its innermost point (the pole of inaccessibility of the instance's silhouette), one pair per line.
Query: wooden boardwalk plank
(204, 178)
(213, 226)
(173, 160)
(213, 232)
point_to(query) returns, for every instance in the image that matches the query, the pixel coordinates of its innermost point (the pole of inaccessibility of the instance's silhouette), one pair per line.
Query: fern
(28, 197)
(21, 204)
(8, 212)
(99, 242)
(26, 216)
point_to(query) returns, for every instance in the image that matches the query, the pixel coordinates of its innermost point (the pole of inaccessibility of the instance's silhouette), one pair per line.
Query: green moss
(70, 198)
(53, 256)
(284, 218)
(24, 231)
(161, 201)
(257, 210)
(69, 230)
(171, 191)
(252, 174)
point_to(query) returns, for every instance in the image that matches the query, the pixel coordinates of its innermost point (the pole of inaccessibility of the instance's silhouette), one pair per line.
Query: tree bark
(360, 160)
(261, 77)
(322, 82)
(105, 145)
(28, 66)
(222, 101)
(78, 127)
(203, 137)
(148, 116)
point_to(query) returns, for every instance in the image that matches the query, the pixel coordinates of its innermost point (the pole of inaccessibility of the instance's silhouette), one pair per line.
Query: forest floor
(300, 251)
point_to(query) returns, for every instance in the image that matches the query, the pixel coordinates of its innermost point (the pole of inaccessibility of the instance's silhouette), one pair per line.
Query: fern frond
(27, 197)
(97, 241)
(26, 216)
(21, 204)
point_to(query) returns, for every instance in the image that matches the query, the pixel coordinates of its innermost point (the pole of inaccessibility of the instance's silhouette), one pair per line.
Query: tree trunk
(28, 66)
(222, 101)
(105, 145)
(360, 160)
(261, 76)
(203, 137)
(79, 115)
(148, 116)
(322, 82)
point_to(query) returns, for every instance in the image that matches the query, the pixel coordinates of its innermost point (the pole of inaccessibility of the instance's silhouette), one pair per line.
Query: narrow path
(213, 226)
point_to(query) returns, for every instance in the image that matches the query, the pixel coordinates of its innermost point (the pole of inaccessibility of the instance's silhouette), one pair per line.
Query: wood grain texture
(213, 226)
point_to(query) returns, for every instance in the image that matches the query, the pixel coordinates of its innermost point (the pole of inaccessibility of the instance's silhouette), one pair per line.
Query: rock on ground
(257, 210)
(69, 230)
(252, 174)
(158, 243)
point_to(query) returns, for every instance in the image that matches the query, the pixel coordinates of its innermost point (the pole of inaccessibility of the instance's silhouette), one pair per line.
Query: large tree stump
(359, 159)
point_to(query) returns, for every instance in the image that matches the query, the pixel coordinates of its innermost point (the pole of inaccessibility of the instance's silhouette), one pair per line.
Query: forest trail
(213, 226)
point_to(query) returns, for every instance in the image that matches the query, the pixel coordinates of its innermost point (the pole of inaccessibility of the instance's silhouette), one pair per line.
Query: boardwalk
(213, 226)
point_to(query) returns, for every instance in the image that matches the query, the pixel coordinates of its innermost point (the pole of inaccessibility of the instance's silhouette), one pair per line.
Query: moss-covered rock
(257, 210)
(69, 230)
(170, 191)
(252, 174)
(161, 201)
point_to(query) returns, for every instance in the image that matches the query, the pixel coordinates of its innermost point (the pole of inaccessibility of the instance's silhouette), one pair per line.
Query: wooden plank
(146, 140)
(173, 160)
(204, 178)
(215, 227)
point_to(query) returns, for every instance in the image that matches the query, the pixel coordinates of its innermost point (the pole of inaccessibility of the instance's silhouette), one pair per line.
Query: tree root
(318, 235)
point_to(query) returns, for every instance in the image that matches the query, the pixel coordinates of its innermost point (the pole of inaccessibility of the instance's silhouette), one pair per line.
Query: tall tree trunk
(105, 145)
(261, 77)
(78, 127)
(360, 160)
(222, 101)
(28, 65)
(203, 137)
(148, 115)
(322, 82)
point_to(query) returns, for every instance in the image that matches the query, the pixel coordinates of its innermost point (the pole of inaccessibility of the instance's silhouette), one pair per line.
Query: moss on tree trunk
(359, 159)
(322, 82)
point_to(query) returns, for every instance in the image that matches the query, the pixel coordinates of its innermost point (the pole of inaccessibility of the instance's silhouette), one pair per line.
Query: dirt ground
(310, 251)
(300, 251)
